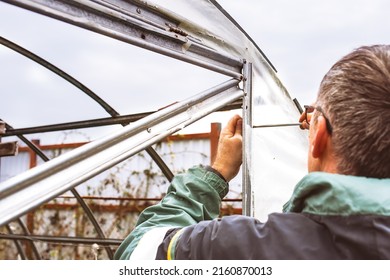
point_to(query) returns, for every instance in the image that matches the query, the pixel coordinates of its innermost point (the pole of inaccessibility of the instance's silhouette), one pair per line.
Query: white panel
(278, 163)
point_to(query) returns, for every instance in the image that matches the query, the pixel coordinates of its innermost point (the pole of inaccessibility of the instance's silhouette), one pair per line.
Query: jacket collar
(335, 194)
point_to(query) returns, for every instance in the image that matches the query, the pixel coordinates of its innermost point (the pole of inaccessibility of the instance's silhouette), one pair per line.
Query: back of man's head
(355, 95)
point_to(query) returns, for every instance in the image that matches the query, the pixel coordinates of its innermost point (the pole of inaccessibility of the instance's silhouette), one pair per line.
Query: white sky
(302, 38)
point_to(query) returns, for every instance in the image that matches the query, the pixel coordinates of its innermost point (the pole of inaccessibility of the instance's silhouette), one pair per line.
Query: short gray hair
(355, 96)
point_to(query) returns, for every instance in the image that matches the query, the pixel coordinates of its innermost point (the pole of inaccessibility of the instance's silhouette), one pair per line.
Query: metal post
(247, 125)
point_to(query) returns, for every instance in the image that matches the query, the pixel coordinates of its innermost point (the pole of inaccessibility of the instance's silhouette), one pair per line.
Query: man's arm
(192, 197)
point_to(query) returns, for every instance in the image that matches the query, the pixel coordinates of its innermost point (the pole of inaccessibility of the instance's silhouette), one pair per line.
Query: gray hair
(355, 96)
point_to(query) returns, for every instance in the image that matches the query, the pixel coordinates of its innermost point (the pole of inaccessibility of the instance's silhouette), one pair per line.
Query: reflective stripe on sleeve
(148, 244)
(172, 245)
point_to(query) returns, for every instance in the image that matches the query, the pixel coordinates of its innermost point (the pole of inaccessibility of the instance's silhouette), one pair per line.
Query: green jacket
(329, 216)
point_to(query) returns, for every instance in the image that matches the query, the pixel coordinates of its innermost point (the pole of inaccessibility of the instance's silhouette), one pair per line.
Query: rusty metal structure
(200, 33)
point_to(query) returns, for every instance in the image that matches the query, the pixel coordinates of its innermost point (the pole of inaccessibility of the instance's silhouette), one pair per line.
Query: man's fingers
(304, 125)
(302, 117)
(232, 125)
(238, 130)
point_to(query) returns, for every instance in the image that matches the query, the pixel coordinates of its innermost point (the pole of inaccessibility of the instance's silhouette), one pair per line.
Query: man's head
(355, 98)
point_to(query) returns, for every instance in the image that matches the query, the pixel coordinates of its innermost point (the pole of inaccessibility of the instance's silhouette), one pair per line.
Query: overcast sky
(302, 38)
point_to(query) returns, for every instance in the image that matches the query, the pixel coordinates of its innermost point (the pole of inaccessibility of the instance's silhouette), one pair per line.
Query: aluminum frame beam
(121, 119)
(30, 189)
(139, 24)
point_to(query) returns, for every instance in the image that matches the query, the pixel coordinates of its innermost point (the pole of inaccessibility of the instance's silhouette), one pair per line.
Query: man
(340, 210)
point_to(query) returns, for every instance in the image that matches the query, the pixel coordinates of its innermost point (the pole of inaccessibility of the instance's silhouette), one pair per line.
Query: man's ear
(320, 138)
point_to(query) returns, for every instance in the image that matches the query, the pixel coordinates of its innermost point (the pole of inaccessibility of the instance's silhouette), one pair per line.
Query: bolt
(138, 10)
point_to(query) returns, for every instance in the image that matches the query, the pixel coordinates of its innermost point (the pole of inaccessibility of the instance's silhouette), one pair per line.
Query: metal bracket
(9, 149)
(2, 128)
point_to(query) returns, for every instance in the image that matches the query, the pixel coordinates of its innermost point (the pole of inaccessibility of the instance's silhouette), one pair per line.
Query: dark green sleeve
(192, 197)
